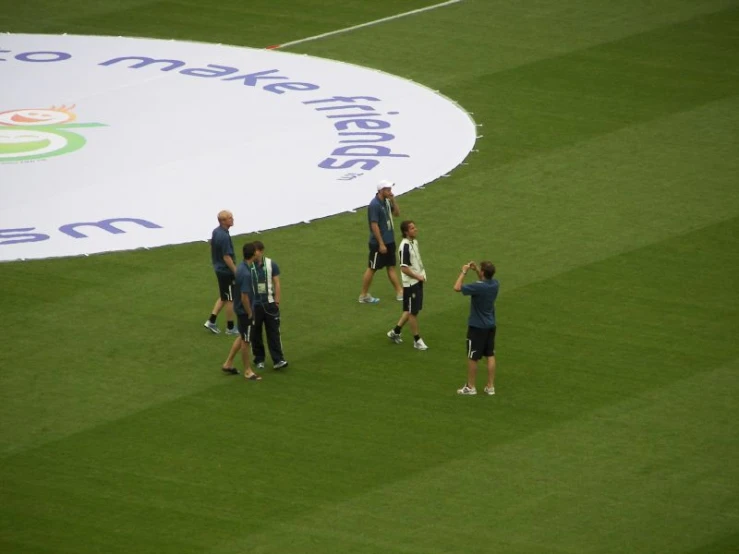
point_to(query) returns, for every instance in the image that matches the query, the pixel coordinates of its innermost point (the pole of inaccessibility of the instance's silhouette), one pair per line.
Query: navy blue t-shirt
(261, 281)
(246, 283)
(221, 245)
(482, 302)
(379, 212)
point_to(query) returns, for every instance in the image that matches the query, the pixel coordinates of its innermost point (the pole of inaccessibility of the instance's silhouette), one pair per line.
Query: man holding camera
(481, 323)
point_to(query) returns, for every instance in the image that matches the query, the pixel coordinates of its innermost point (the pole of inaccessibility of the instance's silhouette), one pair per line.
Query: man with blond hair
(222, 258)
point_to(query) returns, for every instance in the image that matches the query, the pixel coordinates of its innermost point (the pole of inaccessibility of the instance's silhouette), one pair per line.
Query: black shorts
(377, 260)
(413, 298)
(224, 286)
(245, 326)
(480, 342)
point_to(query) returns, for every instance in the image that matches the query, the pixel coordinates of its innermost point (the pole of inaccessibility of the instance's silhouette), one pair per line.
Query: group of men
(483, 293)
(251, 291)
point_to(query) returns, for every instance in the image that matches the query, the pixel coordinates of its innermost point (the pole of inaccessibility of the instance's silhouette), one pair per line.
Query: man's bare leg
(367, 281)
(246, 357)
(393, 276)
(491, 372)
(471, 373)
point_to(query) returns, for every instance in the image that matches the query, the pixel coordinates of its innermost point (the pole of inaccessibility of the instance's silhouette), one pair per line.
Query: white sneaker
(369, 299)
(234, 331)
(490, 391)
(212, 327)
(393, 336)
(467, 391)
(260, 365)
(399, 298)
(280, 364)
(420, 345)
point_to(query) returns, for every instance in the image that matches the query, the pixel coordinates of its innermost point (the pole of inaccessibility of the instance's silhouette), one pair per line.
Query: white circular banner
(110, 143)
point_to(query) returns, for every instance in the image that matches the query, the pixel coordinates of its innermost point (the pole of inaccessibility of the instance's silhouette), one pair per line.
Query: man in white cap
(380, 214)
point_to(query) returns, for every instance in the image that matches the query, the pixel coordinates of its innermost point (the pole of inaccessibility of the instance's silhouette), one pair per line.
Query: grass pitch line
(384, 19)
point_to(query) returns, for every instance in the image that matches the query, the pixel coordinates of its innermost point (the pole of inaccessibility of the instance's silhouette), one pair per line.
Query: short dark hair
(258, 245)
(249, 250)
(404, 227)
(488, 269)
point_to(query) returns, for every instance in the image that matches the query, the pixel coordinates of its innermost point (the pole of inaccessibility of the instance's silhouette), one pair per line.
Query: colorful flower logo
(33, 134)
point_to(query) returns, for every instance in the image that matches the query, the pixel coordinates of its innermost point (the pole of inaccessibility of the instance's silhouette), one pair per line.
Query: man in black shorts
(413, 274)
(244, 290)
(222, 258)
(481, 323)
(380, 214)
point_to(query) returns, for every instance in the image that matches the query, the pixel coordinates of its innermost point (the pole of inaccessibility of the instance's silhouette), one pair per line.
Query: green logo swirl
(34, 142)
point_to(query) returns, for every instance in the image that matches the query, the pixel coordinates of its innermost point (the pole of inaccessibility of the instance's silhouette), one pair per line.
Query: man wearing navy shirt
(380, 214)
(222, 258)
(244, 290)
(267, 310)
(481, 323)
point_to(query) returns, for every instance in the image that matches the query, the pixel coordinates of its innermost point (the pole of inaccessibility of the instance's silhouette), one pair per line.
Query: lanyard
(388, 214)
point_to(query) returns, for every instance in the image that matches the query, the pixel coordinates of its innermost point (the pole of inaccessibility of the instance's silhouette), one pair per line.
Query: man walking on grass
(243, 293)
(413, 274)
(380, 214)
(222, 258)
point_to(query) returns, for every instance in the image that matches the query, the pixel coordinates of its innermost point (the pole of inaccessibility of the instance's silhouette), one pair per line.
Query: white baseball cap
(385, 184)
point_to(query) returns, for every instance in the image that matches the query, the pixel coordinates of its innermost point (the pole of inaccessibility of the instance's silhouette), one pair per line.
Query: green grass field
(605, 189)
